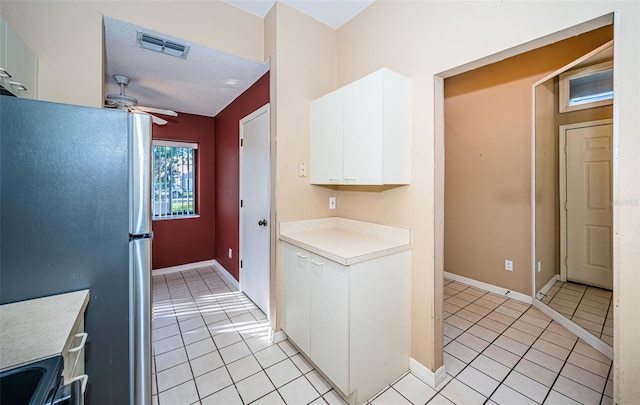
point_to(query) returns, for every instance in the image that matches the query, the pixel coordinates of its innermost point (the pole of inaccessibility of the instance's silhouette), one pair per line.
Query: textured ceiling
(208, 80)
(203, 84)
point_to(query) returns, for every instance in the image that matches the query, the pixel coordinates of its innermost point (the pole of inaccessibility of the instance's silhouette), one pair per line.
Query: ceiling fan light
(157, 44)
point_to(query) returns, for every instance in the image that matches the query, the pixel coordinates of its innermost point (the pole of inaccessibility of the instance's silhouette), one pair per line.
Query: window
(587, 87)
(173, 179)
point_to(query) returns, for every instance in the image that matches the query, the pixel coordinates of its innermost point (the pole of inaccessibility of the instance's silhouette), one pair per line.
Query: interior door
(589, 205)
(255, 195)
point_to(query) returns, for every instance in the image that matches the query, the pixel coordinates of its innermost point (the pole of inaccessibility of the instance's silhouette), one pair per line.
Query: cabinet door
(330, 320)
(363, 117)
(295, 295)
(21, 63)
(326, 139)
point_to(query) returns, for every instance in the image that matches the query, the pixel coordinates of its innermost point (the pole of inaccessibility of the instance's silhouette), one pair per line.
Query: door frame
(265, 109)
(562, 184)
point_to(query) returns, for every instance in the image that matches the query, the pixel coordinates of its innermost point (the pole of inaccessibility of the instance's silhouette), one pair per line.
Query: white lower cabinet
(352, 322)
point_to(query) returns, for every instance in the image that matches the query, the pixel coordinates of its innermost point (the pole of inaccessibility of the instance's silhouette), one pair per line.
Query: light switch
(332, 203)
(302, 169)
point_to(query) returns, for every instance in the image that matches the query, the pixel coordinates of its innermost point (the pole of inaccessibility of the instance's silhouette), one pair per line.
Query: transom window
(588, 87)
(174, 192)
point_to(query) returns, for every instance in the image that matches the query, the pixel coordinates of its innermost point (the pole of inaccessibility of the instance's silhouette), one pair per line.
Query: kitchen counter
(39, 328)
(345, 241)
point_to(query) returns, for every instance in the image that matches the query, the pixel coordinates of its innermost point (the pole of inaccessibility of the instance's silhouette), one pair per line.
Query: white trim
(226, 274)
(572, 327)
(182, 267)
(545, 289)
(190, 266)
(434, 380)
(175, 144)
(277, 336)
(490, 287)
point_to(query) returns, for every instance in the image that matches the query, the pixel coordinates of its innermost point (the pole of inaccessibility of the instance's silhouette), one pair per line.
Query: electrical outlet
(332, 203)
(539, 266)
(302, 169)
(230, 253)
(508, 265)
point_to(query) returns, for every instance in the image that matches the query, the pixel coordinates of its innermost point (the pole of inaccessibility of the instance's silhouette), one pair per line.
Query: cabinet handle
(317, 263)
(82, 377)
(82, 342)
(18, 86)
(4, 72)
(334, 178)
(301, 255)
(350, 178)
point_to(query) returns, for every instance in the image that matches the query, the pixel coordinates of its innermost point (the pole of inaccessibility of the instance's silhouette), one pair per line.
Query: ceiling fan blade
(155, 119)
(157, 111)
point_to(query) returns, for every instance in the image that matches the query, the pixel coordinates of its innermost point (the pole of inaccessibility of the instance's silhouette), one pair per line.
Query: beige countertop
(39, 328)
(345, 241)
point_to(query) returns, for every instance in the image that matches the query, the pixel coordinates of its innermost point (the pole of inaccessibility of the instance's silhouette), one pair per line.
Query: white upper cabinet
(361, 133)
(18, 65)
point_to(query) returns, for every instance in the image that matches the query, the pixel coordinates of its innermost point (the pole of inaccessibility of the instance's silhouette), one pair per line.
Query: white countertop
(39, 328)
(345, 241)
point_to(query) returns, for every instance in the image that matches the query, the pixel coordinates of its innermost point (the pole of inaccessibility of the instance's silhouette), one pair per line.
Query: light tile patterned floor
(589, 307)
(211, 347)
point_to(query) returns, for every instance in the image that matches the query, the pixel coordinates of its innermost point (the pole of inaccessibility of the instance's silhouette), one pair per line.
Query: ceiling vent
(154, 43)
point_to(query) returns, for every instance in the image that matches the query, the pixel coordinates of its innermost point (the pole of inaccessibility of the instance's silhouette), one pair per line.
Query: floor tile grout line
(560, 371)
(261, 367)
(522, 357)
(511, 369)
(481, 352)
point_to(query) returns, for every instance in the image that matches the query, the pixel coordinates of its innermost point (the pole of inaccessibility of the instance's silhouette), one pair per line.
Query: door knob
(263, 222)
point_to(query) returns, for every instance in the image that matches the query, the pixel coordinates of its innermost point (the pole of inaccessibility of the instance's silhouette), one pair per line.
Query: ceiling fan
(125, 102)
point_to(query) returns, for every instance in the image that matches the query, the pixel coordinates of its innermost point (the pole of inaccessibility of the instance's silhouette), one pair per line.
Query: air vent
(154, 43)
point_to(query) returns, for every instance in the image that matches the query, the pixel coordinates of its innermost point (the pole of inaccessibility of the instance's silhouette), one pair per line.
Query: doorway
(255, 207)
(586, 223)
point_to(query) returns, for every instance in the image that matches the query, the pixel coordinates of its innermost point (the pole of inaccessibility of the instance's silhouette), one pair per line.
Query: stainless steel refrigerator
(75, 188)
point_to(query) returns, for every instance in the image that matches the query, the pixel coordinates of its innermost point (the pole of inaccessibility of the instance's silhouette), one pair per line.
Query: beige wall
(547, 249)
(488, 162)
(303, 67)
(67, 37)
(423, 39)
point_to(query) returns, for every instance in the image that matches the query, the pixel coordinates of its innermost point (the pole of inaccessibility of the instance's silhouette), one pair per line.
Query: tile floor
(211, 346)
(589, 307)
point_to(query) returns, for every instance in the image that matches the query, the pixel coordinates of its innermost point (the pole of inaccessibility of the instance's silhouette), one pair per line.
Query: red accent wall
(227, 169)
(189, 240)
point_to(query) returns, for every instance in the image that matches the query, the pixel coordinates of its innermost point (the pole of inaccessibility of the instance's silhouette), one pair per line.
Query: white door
(589, 214)
(255, 197)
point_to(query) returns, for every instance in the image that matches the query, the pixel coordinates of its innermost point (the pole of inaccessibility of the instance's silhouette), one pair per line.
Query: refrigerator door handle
(140, 333)
(140, 161)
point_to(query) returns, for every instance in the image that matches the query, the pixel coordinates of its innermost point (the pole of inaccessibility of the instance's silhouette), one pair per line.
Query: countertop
(344, 240)
(35, 329)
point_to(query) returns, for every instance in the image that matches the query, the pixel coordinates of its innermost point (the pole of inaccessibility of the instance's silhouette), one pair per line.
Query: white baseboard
(189, 266)
(544, 290)
(490, 287)
(434, 380)
(277, 337)
(182, 267)
(226, 274)
(583, 334)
